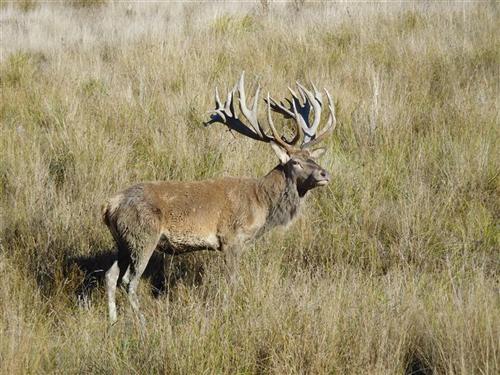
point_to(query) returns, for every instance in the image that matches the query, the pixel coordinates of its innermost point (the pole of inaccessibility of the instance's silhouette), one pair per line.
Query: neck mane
(281, 196)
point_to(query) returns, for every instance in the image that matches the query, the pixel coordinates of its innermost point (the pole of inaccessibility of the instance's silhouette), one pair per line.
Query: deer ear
(280, 152)
(317, 152)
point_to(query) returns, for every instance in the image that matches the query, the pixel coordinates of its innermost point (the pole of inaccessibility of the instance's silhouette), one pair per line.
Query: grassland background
(393, 268)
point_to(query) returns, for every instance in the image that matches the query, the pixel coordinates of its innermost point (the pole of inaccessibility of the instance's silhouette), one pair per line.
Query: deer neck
(280, 195)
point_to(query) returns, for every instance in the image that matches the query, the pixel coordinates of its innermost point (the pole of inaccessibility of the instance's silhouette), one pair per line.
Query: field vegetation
(393, 268)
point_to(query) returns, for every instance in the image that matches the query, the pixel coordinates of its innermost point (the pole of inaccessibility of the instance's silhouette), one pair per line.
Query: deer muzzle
(322, 177)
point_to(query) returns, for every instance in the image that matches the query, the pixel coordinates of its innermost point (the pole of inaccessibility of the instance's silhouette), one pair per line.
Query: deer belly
(178, 243)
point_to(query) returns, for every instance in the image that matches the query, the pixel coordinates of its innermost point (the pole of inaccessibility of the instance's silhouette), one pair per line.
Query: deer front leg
(232, 254)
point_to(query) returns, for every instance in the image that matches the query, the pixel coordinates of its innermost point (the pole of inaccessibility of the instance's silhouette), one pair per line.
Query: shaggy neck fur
(281, 195)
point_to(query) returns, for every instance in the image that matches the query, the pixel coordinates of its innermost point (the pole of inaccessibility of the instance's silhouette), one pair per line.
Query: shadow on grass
(416, 365)
(163, 272)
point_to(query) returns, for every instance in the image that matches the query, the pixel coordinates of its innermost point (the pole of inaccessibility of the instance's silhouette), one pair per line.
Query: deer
(222, 214)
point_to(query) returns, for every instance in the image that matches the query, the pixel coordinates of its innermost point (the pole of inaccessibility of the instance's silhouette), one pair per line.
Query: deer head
(297, 156)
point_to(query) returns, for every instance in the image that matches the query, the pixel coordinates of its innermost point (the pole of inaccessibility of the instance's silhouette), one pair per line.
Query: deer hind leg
(116, 275)
(112, 276)
(140, 255)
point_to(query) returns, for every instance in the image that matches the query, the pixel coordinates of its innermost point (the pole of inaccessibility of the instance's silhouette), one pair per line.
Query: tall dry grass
(393, 268)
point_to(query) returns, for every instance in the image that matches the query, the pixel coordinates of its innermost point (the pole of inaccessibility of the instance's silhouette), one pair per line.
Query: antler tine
(330, 126)
(299, 119)
(302, 109)
(229, 108)
(276, 136)
(280, 108)
(251, 115)
(218, 103)
(296, 97)
(219, 108)
(256, 99)
(317, 94)
(315, 101)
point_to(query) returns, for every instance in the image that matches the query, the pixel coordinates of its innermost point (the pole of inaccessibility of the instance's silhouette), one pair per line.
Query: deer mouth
(322, 182)
(322, 178)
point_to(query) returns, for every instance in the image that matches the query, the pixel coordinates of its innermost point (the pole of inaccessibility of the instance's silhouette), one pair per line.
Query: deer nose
(325, 175)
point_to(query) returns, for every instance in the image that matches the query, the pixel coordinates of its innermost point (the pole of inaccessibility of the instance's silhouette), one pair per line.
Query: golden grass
(394, 267)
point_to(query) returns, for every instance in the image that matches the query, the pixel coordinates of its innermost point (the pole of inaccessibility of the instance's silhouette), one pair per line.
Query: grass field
(393, 268)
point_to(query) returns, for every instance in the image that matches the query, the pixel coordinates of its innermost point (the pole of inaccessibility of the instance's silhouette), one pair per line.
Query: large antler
(300, 113)
(305, 132)
(225, 114)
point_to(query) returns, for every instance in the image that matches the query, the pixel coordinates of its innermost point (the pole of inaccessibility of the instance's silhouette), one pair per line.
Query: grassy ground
(393, 268)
